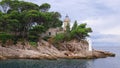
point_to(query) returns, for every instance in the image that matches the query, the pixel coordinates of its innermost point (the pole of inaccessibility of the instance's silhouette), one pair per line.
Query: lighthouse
(90, 44)
(66, 22)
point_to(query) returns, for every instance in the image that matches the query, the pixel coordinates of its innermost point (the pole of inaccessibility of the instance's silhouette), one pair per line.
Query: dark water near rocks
(110, 62)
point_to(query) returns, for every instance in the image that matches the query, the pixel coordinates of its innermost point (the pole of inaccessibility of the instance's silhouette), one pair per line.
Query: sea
(109, 62)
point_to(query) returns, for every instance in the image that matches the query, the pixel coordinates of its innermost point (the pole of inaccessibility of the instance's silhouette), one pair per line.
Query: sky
(103, 16)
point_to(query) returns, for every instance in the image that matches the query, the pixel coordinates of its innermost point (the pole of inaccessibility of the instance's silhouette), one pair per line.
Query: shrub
(59, 37)
(33, 44)
(5, 36)
(46, 38)
(33, 38)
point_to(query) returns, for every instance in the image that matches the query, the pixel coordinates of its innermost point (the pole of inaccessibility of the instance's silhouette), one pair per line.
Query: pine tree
(68, 28)
(74, 25)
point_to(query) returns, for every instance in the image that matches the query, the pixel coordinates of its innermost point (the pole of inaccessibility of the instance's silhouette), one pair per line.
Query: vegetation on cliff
(78, 32)
(26, 21)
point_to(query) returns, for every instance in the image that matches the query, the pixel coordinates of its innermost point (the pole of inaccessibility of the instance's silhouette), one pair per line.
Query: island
(30, 31)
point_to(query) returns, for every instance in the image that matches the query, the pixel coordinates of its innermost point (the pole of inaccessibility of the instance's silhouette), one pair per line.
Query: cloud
(104, 24)
(105, 39)
(112, 4)
(75, 8)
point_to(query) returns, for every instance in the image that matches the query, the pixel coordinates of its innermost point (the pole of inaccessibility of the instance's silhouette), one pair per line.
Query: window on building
(49, 33)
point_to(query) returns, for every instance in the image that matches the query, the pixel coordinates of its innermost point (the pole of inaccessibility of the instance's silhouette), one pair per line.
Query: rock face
(45, 50)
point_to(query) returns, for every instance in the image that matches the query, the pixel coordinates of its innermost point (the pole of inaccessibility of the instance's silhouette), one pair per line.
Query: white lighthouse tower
(90, 44)
(66, 22)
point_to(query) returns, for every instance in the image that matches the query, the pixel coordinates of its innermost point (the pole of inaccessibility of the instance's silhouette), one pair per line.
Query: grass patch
(34, 44)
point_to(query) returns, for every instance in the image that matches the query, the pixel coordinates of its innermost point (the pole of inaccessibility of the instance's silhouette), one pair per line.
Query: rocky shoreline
(69, 50)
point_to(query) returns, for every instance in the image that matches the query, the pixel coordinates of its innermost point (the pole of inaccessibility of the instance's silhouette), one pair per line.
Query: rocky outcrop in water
(45, 50)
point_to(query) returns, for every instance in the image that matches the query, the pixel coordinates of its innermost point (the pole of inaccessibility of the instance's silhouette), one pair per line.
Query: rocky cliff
(44, 50)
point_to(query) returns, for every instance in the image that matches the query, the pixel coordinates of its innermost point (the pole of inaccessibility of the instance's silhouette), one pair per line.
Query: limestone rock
(45, 50)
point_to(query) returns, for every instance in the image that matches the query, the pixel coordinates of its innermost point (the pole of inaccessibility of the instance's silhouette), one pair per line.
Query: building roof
(66, 19)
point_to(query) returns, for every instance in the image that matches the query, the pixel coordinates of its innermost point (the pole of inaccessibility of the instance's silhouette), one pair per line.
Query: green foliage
(67, 33)
(33, 38)
(44, 7)
(34, 44)
(18, 18)
(52, 20)
(67, 37)
(88, 29)
(35, 31)
(68, 28)
(4, 37)
(81, 31)
(59, 37)
(46, 38)
(74, 25)
(83, 25)
(38, 29)
(78, 32)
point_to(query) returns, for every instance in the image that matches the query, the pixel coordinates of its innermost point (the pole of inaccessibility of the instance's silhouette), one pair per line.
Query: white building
(66, 22)
(53, 31)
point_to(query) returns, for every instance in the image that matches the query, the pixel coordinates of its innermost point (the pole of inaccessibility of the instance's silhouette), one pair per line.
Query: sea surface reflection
(60, 63)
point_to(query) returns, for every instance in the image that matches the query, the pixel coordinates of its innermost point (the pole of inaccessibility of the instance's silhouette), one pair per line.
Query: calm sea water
(110, 62)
